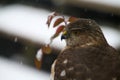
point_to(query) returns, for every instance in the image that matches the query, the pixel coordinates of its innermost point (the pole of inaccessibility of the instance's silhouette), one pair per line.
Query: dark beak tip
(63, 37)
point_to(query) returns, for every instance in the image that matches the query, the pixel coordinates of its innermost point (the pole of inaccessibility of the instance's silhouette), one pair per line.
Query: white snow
(14, 71)
(112, 36)
(39, 55)
(30, 23)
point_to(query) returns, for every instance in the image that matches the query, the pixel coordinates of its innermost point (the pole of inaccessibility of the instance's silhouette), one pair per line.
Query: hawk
(87, 55)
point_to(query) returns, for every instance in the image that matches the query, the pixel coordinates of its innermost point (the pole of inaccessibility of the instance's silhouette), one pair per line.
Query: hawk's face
(84, 32)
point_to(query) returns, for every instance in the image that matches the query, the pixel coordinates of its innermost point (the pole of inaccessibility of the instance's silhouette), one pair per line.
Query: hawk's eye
(76, 32)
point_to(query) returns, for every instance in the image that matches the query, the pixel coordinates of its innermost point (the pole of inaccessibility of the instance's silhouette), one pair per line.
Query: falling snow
(39, 55)
(26, 48)
(89, 22)
(21, 62)
(15, 39)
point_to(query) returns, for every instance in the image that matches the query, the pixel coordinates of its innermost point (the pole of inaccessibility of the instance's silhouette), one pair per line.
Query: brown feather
(87, 56)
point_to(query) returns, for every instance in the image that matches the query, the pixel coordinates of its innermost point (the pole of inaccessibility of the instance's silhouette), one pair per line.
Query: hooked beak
(64, 35)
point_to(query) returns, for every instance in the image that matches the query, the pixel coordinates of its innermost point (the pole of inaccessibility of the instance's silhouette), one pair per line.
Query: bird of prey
(87, 55)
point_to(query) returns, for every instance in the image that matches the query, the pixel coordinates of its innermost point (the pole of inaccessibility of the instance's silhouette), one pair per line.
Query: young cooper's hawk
(87, 55)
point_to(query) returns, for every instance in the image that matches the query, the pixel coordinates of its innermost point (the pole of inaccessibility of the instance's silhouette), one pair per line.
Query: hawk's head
(83, 32)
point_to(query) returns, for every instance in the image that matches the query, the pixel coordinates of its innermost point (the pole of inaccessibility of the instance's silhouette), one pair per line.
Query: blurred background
(23, 31)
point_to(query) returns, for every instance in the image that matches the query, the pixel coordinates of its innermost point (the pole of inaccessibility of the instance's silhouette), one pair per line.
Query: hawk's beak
(64, 35)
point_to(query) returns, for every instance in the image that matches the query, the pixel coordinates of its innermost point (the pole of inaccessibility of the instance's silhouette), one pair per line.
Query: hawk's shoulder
(86, 62)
